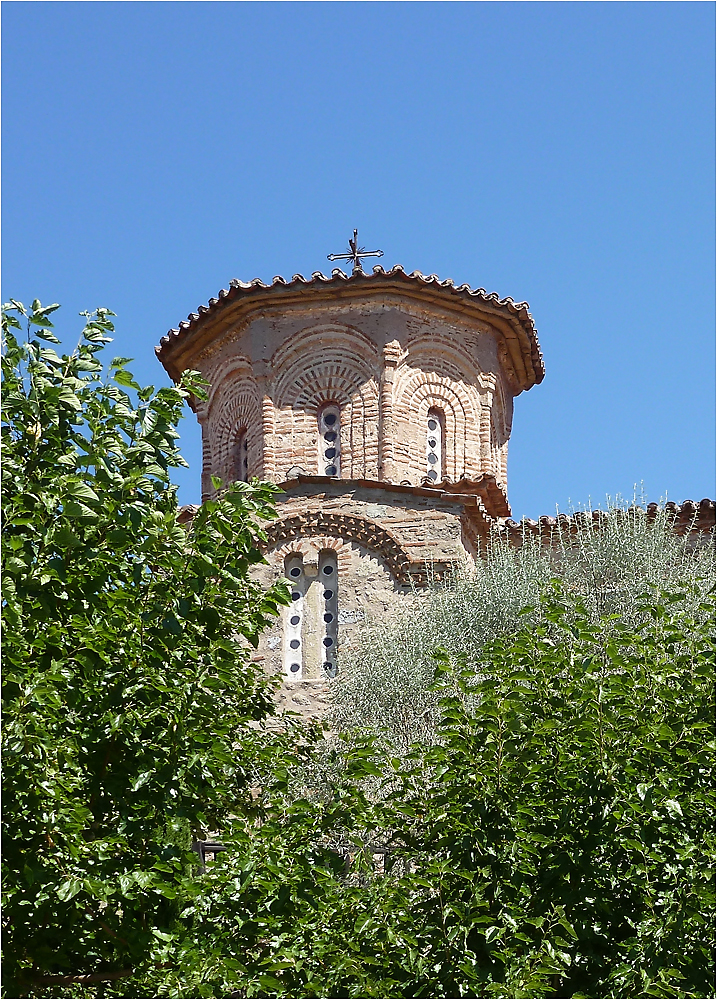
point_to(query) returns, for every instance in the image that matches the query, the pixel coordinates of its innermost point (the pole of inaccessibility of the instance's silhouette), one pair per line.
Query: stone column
(386, 423)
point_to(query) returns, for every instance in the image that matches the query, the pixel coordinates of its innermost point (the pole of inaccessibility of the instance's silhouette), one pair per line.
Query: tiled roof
(491, 493)
(514, 321)
(688, 517)
(438, 492)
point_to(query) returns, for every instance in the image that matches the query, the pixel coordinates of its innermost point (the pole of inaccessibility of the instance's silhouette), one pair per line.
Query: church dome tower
(382, 403)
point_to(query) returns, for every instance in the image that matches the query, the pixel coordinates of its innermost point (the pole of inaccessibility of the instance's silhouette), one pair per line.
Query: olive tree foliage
(386, 684)
(128, 691)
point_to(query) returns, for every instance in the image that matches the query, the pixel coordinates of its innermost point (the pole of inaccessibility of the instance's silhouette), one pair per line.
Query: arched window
(240, 458)
(330, 440)
(311, 619)
(435, 445)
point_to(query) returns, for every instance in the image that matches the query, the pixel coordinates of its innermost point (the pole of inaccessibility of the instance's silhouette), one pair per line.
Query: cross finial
(355, 254)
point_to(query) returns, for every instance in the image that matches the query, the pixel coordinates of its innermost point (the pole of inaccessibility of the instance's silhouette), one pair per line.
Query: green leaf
(79, 489)
(72, 508)
(69, 398)
(125, 378)
(45, 334)
(673, 807)
(68, 889)
(66, 538)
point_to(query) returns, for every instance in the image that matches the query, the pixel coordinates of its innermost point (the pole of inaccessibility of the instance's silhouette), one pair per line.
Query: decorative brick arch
(219, 357)
(444, 355)
(311, 547)
(419, 391)
(316, 530)
(352, 342)
(233, 405)
(329, 363)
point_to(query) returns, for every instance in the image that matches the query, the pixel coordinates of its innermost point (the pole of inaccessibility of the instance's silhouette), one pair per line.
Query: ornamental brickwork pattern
(384, 397)
(383, 405)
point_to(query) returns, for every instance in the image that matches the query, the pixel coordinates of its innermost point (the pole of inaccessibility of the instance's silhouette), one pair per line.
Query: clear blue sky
(559, 153)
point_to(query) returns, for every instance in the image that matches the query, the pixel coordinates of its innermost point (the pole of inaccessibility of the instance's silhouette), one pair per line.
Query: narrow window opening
(328, 571)
(330, 440)
(293, 625)
(435, 446)
(240, 458)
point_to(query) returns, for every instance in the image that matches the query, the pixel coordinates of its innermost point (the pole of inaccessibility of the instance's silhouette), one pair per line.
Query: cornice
(511, 321)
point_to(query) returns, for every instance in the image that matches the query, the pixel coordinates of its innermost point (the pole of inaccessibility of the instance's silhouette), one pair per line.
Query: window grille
(329, 603)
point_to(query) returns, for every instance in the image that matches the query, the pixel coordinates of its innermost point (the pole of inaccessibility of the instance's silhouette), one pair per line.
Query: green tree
(556, 841)
(129, 695)
(567, 816)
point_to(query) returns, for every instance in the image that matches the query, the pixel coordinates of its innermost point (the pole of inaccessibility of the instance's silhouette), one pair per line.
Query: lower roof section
(420, 530)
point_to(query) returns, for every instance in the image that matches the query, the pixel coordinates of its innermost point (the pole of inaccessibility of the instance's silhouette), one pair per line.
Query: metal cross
(355, 254)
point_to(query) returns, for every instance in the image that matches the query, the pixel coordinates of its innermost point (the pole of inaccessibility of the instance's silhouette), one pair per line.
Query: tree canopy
(127, 678)
(550, 835)
(556, 840)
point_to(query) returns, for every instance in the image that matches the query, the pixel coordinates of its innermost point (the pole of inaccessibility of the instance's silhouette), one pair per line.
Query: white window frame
(329, 421)
(293, 629)
(435, 445)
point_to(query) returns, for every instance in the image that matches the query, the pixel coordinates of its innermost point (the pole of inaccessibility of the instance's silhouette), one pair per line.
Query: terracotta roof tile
(688, 517)
(528, 361)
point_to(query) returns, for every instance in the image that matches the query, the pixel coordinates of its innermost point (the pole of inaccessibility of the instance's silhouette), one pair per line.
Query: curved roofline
(518, 344)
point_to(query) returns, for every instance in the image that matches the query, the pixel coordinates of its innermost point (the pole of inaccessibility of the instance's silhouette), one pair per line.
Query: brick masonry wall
(385, 363)
(386, 360)
(384, 542)
(385, 366)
